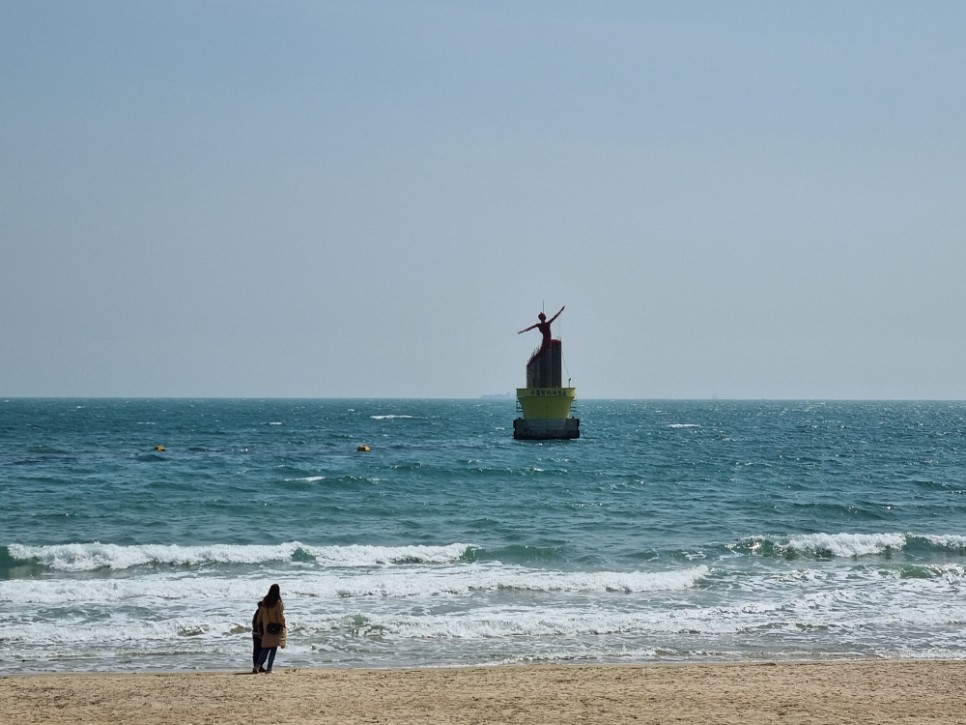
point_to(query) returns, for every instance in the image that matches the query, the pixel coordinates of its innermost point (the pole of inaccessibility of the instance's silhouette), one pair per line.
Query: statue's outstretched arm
(557, 315)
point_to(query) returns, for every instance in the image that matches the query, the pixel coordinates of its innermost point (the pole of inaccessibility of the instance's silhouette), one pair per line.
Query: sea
(139, 534)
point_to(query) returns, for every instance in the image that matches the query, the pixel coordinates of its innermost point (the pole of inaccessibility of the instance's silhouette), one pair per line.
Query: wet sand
(813, 692)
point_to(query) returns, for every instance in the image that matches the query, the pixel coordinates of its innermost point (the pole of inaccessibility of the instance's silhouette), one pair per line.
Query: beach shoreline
(809, 692)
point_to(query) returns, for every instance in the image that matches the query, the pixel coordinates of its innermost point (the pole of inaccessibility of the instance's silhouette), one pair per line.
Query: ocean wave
(454, 582)
(93, 556)
(478, 580)
(514, 553)
(851, 545)
(343, 571)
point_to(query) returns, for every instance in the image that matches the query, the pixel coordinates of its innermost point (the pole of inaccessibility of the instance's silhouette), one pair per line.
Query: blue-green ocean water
(670, 531)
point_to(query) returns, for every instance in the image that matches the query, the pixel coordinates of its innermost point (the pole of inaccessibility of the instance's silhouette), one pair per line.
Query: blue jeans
(269, 654)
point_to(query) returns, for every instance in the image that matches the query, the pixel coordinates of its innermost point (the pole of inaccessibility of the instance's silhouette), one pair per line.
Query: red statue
(544, 327)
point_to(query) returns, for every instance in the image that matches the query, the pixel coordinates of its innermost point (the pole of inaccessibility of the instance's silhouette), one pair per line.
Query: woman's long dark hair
(273, 597)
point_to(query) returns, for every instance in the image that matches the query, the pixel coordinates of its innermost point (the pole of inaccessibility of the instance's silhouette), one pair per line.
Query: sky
(316, 199)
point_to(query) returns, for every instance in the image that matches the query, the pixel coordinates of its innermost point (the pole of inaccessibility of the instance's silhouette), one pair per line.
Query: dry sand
(819, 693)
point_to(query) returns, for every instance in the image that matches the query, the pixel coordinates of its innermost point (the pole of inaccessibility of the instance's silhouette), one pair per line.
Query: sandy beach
(826, 692)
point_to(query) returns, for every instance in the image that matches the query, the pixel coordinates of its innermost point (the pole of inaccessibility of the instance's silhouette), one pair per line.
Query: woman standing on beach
(271, 622)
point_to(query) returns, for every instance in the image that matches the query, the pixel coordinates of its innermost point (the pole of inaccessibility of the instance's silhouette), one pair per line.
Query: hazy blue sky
(313, 199)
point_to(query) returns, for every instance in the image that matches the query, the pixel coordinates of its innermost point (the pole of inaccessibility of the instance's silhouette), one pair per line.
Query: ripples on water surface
(671, 531)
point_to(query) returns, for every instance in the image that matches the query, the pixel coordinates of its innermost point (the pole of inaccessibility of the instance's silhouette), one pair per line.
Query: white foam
(949, 541)
(95, 555)
(365, 555)
(393, 582)
(420, 612)
(479, 579)
(847, 545)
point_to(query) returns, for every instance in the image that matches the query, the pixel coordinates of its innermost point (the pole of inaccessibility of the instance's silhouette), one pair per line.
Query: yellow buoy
(160, 448)
(363, 449)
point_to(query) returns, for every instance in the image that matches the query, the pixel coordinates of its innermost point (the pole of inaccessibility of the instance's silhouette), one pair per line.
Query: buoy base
(542, 429)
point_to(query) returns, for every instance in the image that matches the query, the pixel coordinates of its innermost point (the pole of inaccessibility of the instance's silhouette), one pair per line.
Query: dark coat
(256, 627)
